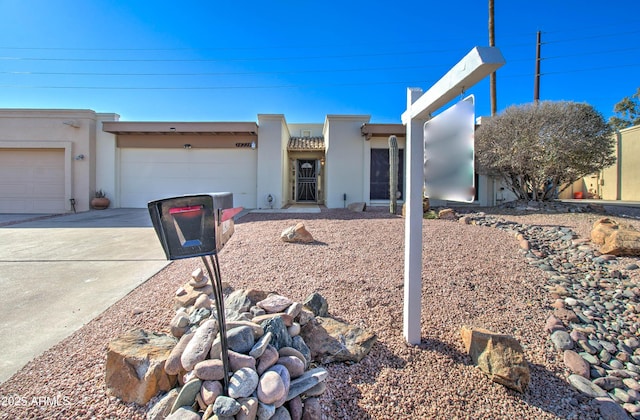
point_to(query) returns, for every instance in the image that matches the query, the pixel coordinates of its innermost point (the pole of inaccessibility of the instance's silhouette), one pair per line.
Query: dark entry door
(306, 181)
(379, 176)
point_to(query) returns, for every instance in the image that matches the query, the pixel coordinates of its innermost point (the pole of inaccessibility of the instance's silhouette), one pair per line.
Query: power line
(591, 53)
(247, 73)
(584, 38)
(205, 60)
(406, 83)
(582, 70)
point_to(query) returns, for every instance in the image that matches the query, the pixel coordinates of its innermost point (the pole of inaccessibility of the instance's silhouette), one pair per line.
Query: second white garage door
(152, 174)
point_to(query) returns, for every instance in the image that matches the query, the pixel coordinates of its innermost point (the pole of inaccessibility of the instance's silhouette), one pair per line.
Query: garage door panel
(181, 170)
(48, 190)
(151, 174)
(32, 181)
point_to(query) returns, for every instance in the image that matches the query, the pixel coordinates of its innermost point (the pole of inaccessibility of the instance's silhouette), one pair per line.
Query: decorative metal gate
(306, 180)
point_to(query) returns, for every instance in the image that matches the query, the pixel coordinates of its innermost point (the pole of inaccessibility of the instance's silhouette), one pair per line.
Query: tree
(539, 148)
(627, 112)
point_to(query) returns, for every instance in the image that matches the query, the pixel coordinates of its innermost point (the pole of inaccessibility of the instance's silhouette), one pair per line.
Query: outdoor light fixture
(198, 226)
(253, 145)
(187, 146)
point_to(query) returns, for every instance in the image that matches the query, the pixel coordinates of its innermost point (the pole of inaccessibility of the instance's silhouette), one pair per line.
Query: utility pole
(536, 82)
(492, 76)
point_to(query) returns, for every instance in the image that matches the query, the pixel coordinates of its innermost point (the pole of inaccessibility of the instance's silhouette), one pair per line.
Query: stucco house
(52, 161)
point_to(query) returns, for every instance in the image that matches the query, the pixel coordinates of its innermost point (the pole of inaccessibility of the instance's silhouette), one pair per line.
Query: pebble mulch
(596, 312)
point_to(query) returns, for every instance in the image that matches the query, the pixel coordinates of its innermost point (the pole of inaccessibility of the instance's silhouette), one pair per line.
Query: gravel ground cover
(472, 275)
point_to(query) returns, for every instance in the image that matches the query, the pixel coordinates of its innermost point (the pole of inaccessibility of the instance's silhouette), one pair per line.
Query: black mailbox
(193, 225)
(196, 226)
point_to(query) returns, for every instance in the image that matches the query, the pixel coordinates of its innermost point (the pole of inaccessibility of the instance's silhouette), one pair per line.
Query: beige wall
(630, 164)
(345, 156)
(75, 131)
(272, 163)
(620, 181)
(297, 129)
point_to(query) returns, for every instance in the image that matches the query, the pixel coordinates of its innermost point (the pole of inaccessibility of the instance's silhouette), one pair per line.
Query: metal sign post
(198, 226)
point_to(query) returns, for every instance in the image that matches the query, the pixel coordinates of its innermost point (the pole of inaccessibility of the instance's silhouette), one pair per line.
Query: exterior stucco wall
(273, 135)
(609, 188)
(630, 164)
(345, 157)
(620, 180)
(106, 153)
(75, 131)
(298, 129)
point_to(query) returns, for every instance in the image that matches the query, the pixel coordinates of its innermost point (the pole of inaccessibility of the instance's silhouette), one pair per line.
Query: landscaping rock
(297, 233)
(587, 387)
(134, 369)
(616, 239)
(358, 207)
(317, 304)
(187, 395)
(500, 356)
(162, 408)
(330, 340)
(198, 347)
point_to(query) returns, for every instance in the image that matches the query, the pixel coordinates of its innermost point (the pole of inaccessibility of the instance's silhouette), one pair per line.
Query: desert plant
(393, 174)
(430, 214)
(100, 194)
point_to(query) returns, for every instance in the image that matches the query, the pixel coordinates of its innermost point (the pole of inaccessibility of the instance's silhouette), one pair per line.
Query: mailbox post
(198, 226)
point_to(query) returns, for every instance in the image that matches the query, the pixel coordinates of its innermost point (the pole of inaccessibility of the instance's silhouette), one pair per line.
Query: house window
(379, 176)
(305, 133)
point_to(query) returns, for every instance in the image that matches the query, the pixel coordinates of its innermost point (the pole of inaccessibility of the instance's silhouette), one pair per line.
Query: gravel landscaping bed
(472, 275)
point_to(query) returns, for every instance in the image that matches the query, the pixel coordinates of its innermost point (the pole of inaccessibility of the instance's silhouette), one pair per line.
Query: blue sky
(231, 60)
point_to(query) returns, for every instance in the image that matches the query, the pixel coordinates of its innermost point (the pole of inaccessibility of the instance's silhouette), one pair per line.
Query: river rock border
(596, 311)
(271, 366)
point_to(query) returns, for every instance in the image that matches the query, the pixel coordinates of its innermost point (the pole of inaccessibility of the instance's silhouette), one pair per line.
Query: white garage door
(152, 174)
(32, 181)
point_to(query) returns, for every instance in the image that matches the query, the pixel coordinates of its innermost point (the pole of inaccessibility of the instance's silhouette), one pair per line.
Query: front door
(306, 180)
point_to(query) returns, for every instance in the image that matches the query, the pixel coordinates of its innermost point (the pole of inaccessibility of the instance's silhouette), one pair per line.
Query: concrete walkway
(58, 273)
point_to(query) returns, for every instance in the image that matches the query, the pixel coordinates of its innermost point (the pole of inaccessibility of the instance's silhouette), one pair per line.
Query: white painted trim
(413, 228)
(476, 65)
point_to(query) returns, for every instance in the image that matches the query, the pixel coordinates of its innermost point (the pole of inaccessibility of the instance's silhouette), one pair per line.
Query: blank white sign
(448, 153)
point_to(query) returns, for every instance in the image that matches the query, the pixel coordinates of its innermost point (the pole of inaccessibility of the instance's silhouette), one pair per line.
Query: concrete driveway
(58, 273)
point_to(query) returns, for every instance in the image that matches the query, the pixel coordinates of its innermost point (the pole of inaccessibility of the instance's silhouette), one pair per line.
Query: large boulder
(358, 207)
(135, 366)
(616, 239)
(447, 214)
(333, 341)
(601, 229)
(297, 233)
(499, 356)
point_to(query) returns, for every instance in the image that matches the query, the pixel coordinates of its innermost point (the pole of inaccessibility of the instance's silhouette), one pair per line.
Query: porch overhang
(383, 130)
(183, 134)
(306, 144)
(180, 128)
